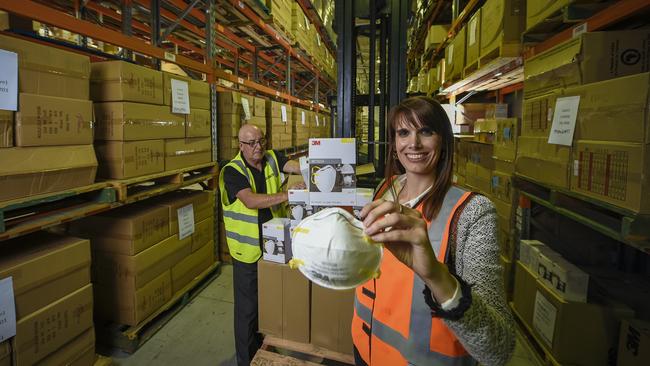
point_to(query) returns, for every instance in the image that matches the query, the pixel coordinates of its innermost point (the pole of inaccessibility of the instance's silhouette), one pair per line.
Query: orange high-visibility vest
(392, 324)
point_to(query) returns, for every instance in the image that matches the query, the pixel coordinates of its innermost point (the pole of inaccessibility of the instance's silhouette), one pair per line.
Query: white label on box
(317, 122)
(303, 117)
(544, 318)
(283, 111)
(564, 120)
(170, 56)
(7, 309)
(472, 31)
(247, 108)
(549, 115)
(576, 167)
(180, 97)
(9, 81)
(185, 221)
(579, 29)
(451, 54)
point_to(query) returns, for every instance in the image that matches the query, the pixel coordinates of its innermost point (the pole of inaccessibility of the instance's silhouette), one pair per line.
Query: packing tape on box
(188, 152)
(54, 70)
(151, 122)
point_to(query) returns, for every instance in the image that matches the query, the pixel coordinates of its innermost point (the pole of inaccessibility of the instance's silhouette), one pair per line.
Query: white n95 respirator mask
(324, 178)
(331, 249)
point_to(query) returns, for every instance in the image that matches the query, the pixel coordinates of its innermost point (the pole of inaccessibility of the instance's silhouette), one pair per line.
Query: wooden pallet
(139, 188)
(130, 338)
(562, 19)
(29, 214)
(544, 355)
(304, 353)
(618, 223)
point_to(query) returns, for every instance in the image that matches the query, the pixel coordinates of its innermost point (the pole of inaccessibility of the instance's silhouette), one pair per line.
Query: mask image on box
(331, 249)
(276, 240)
(299, 212)
(273, 247)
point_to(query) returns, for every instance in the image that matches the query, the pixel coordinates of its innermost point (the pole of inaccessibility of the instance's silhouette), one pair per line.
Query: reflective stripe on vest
(417, 348)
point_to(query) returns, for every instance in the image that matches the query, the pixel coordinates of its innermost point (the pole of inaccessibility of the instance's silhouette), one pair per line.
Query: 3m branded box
(6, 128)
(183, 153)
(299, 207)
(27, 171)
(44, 267)
(191, 266)
(113, 81)
(198, 123)
(276, 240)
(120, 121)
(331, 318)
(47, 70)
(284, 302)
(199, 91)
(44, 120)
(128, 159)
(126, 230)
(56, 324)
(202, 205)
(363, 197)
(332, 166)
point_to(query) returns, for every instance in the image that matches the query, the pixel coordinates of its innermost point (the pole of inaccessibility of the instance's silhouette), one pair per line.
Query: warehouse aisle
(202, 334)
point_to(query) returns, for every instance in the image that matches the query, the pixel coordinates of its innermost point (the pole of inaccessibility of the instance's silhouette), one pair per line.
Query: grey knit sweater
(487, 328)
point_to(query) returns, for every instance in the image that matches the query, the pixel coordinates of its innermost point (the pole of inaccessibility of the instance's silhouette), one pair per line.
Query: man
(251, 195)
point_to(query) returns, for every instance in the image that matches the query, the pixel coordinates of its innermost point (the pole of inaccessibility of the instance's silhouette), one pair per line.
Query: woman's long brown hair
(424, 112)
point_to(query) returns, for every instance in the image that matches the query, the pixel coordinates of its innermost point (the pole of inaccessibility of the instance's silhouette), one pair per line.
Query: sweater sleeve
(487, 328)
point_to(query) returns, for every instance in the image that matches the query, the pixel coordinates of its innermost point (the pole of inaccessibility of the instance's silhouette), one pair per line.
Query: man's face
(253, 154)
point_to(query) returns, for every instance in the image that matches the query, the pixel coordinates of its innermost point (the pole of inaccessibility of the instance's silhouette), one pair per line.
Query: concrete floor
(202, 334)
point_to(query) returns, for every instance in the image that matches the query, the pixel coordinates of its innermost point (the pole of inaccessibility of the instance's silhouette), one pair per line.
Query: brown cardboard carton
(331, 318)
(6, 128)
(524, 293)
(614, 110)
(127, 273)
(503, 187)
(274, 110)
(5, 353)
(478, 177)
(199, 91)
(539, 10)
(43, 120)
(613, 172)
(633, 343)
(124, 121)
(229, 103)
(203, 233)
(505, 142)
(501, 27)
(191, 266)
(44, 267)
(543, 162)
(27, 171)
(259, 107)
(132, 307)
(126, 230)
(504, 166)
(183, 153)
(47, 70)
(57, 324)
(229, 124)
(198, 123)
(538, 114)
(128, 159)
(473, 30)
(468, 113)
(455, 56)
(229, 143)
(114, 81)
(505, 211)
(77, 352)
(284, 302)
(203, 206)
(588, 58)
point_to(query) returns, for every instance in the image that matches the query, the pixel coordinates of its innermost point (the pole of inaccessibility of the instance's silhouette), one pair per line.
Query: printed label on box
(283, 111)
(544, 318)
(180, 97)
(564, 120)
(7, 309)
(185, 221)
(247, 108)
(9, 81)
(303, 117)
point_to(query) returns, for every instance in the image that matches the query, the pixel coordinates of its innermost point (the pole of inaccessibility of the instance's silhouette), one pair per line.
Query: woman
(440, 297)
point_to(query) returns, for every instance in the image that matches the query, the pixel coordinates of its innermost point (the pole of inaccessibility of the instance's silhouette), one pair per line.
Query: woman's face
(418, 148)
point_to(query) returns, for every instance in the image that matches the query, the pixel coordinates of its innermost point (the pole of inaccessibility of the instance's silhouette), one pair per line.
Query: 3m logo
(315, 142)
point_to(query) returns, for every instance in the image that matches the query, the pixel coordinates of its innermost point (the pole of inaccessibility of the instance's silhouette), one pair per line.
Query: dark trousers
(247, 339)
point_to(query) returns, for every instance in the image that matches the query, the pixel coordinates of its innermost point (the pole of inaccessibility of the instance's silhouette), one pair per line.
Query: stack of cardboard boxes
(53, 126)
(229, 120)
(302, 120)
(53, 301)
(142, 255)
(281, 11)
(279, 117)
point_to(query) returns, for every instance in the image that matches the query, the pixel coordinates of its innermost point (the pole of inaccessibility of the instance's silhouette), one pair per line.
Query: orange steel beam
(618, 11)
(45, 14)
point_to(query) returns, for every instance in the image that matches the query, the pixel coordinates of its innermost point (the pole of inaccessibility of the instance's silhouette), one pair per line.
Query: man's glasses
(252, 143)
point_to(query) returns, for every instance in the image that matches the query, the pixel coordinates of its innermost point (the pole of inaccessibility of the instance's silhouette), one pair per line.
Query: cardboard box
(80, 351)
(198, 123)
(229, 103)
(203, 233)
(504, 166)
(538, 114)
(332, 166)
(363, 197)
(502, 187)
(126, 230)
(299, 206)
(229, 124)
(505, 142)
(523, 294)
(47, 70)
(125, 274)
(539, 10)
(276, 240)
(28, 171)
(6, 128)
(473, 30)
(284, 302)
(44, 267)
(501, 26)
(331, 318)
(5, 352)
(184, 153)
(44, 120)
(57, 324)
(588, 58)
(128, 159)
(485, 130)
(613, 172)
(634, 343)
(543, 162)
(199, 91)
(541, 253)
(526, 252)
(191, 267)
(468, 113)
(566, 280)
(436, 35)
(130, 308)
(278, 110)
(455, 56)
(201, 201)
(120, 121)
(115, 81)
(614, 110)
(259, 107)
